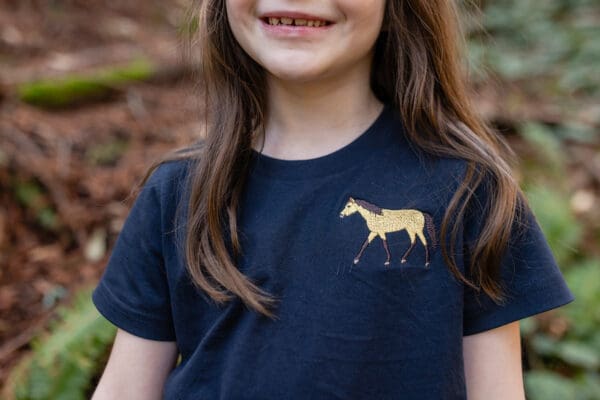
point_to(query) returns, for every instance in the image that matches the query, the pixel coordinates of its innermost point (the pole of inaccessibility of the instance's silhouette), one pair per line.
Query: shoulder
(175, 170)
(166, 188)
(423, 165)
(169, 181)
(437, 171)
(169, 173)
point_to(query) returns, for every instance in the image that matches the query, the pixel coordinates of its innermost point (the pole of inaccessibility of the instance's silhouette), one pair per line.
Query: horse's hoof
(403, 261)
(356, 261)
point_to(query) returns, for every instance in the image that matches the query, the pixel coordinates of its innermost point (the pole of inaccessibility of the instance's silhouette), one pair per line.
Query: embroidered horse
(382, 220)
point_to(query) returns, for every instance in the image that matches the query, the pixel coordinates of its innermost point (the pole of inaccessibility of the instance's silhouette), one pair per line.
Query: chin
(293, 66)
(295, 72)
(296, 77)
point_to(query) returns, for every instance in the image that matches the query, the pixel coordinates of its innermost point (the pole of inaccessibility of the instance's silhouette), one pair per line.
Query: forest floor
(65, 174)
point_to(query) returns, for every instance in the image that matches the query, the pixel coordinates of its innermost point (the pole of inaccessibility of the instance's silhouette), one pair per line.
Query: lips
(293, 18)
(295, 21)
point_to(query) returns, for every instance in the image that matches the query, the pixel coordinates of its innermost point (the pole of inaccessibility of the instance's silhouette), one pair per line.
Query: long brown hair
(417, 69)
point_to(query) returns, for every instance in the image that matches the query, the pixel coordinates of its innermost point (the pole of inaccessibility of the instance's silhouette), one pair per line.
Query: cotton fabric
(344, 330)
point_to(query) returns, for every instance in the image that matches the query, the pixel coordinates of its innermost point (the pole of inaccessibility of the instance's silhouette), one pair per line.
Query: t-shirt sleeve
(529, 274)
(133, 291)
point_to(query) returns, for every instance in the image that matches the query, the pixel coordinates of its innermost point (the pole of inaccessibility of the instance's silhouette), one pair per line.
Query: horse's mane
(371, 207)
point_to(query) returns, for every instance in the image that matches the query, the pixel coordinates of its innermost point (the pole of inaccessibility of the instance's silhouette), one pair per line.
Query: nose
(341, 215)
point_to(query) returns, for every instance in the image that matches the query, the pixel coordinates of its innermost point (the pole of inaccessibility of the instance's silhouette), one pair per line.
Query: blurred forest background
(91, 92)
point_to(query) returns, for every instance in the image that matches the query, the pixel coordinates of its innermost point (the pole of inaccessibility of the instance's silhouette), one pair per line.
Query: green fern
(64, 361)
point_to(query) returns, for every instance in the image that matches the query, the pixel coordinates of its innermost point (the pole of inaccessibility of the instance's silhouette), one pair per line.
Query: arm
(137, 368)
(493, 368)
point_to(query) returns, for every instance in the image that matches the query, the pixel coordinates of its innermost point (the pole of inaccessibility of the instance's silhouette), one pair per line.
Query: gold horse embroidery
(382, 220)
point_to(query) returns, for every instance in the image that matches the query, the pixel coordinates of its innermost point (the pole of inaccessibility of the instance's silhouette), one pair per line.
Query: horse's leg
(357, 258)
(365, 244)
(387, 250)
(424, 241)
(412, 244)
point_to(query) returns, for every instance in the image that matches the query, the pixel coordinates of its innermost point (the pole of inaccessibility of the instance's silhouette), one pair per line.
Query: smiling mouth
(287, 21)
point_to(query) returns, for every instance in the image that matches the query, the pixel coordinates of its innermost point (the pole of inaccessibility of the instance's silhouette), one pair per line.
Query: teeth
(296, 22)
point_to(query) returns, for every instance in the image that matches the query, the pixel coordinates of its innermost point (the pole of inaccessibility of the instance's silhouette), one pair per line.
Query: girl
(348, 228)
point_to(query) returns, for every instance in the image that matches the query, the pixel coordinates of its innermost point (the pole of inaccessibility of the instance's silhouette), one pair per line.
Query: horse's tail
(430, 230)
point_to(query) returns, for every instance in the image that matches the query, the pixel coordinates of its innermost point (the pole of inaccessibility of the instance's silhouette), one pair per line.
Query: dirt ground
(65, 174)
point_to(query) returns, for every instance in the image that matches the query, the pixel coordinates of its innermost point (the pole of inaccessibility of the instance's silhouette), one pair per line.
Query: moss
(77, 89)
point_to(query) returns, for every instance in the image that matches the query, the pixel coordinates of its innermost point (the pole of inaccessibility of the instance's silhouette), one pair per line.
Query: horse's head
(350, 208)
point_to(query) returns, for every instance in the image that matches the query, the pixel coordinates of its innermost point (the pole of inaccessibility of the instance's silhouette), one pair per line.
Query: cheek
(239, 17)
(238, 6)
(239, 13)
(366, 15)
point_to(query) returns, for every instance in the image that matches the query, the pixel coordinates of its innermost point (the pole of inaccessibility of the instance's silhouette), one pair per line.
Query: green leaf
(553, 212)
(579, 354)
(64, 360)
(545, 385)
(545, 141)
(584, 280)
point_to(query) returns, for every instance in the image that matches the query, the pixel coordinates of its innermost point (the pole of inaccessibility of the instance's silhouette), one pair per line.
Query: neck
(311, 119)
(364, 213)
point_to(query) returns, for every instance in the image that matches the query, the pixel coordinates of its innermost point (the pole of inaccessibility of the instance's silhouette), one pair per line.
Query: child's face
(300, 52)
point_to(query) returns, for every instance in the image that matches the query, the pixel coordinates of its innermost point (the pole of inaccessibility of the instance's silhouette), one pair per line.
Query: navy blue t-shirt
(349, 244)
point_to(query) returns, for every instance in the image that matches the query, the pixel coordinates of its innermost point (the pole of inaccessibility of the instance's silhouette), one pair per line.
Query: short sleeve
(133, 291)
(530, 277)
